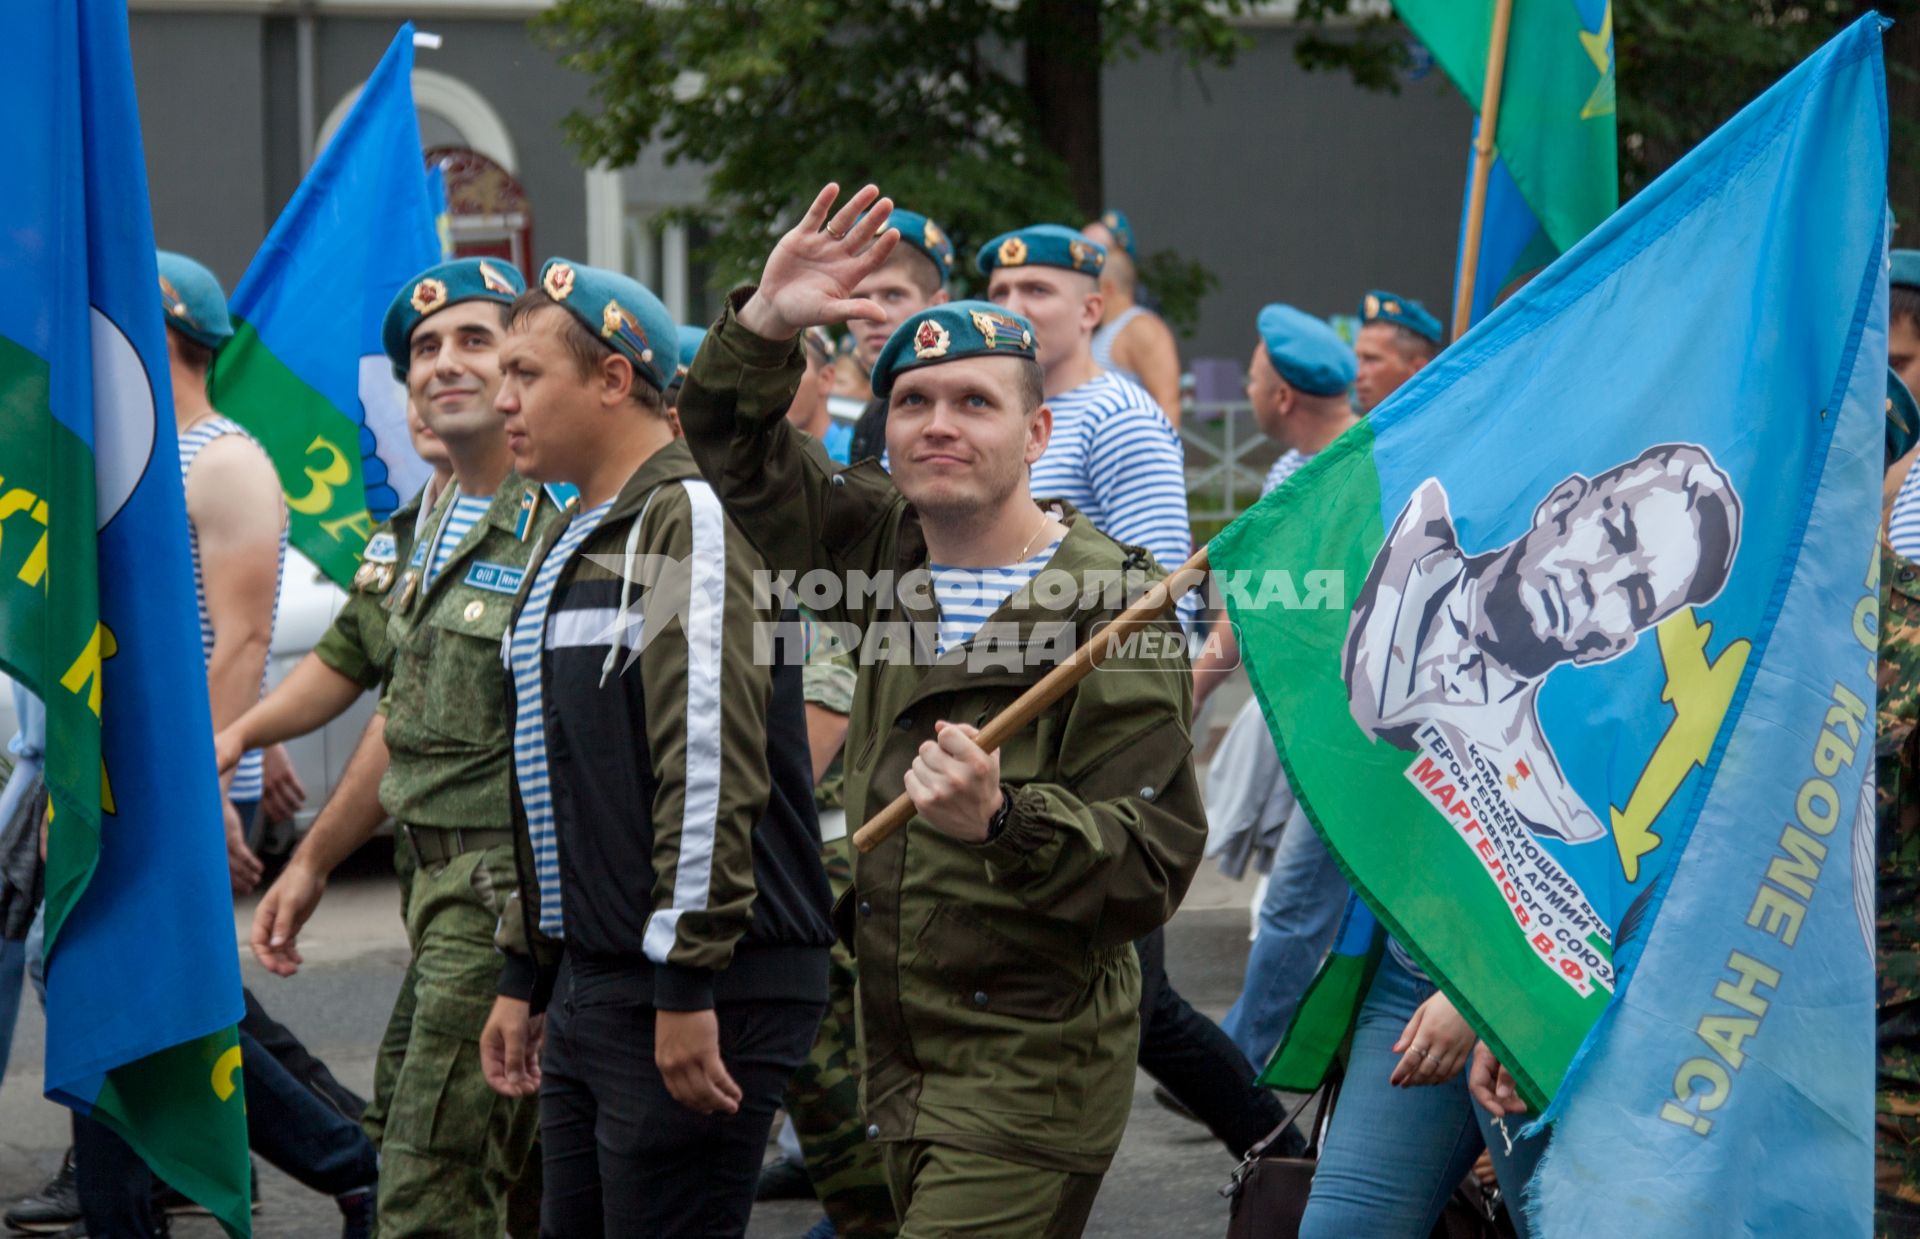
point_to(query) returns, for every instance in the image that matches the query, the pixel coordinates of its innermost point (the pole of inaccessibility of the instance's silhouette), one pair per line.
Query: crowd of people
(637, 926)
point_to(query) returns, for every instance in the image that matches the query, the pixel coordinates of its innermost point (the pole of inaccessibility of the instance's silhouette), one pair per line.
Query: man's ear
(616, 379)
(1554, 508)
(1039, 432)
(941, 297)
(1094, 307)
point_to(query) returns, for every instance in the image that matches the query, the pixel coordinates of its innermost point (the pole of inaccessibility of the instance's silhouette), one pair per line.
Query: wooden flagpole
(1051, 687)
(1483, 154)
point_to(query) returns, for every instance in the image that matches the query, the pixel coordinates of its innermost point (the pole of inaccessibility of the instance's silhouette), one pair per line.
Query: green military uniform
(1897, 1144)
(823, 1098)
(357, 646)
(453, 1149)
(998, 987)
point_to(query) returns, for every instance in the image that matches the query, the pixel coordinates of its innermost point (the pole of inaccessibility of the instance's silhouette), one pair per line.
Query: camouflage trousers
(1896, 1162)
(453, 1153)
(823, 1101)
(943, 1192)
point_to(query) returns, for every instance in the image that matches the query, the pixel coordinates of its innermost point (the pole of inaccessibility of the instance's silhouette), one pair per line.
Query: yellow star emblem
(1599, 47)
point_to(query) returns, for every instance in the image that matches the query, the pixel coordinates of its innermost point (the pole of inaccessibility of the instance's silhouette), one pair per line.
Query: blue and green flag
(1591, 728)
(97, 617)
(305, 372)
(1555, 164)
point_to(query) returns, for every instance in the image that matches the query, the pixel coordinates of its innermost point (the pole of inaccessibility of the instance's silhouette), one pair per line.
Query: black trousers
(1197, 1062)
(621, 1157)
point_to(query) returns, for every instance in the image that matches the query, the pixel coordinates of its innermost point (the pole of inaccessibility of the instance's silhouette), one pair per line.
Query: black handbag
(1268, 1194)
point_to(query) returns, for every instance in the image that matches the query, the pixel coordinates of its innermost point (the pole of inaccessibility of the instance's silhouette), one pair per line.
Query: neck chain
(1021, 558)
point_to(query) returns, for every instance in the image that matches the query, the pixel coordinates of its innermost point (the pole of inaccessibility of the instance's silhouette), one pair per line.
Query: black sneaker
(52, 1209)
(357, 1213)
(784, 1179)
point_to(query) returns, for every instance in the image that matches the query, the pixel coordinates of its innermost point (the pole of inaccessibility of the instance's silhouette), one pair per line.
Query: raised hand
(811, 274)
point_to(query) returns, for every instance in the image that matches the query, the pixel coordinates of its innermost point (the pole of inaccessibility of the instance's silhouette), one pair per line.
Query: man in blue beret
(1132, 340)
(913, 277)
(671, 899)
(1397, 337)
(1113, 454)
(1298, 382)
(999, 990)
(452, 1153)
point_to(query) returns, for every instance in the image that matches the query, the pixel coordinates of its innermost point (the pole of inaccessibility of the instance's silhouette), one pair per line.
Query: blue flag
(305, 371)
(97, 617)
(1729, 1087)
(1588, 720)
(1513, 245)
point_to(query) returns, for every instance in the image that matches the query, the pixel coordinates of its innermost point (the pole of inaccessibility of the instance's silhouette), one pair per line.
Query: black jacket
(685, 836)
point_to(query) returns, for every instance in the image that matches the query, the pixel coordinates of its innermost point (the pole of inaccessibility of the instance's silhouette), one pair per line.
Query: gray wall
(1288, 185)
(219, 116)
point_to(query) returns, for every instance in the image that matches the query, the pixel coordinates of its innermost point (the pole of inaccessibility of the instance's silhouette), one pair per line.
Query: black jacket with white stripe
(687, 845)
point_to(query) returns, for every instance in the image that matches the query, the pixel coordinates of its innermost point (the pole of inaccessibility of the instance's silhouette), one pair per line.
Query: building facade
(1287, 185)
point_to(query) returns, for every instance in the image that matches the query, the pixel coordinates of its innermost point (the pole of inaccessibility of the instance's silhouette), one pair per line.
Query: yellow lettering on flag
(85, 671)
(227, 1066)
(18, 500)
(1700, 692)
(336, 472)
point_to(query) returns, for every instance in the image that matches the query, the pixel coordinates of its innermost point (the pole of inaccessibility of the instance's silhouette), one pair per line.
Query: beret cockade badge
(930, 341)
(428, 296)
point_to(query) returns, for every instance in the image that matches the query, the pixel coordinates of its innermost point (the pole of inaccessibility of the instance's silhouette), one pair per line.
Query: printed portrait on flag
(1452, 648)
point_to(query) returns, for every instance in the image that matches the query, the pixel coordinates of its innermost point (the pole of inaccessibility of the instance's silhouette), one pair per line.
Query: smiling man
(671, 898)
(999, 992)
(451, 1150)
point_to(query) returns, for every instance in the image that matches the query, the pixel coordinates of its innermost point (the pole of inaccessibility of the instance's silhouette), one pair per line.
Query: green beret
(1385, 307)
(1121, 227)
(1903, 418)
(951, 332)
(1306, 352)
(620, 312)
(436, 288)
(194, 302)
(927, 237)
(1906, 268)
(1042, 245)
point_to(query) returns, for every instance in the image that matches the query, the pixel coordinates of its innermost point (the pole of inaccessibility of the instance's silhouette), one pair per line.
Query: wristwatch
(998, 821)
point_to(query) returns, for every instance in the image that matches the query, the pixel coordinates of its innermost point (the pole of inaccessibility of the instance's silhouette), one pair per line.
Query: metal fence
(1227, 459)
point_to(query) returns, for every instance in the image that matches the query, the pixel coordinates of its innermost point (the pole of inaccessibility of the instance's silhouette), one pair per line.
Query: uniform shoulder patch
(381, 549)
(498, 578)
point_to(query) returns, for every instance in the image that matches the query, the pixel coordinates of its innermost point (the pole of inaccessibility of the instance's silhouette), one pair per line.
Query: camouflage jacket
(1898, 819)
(449, 730)
(999, 990)
(356, 644)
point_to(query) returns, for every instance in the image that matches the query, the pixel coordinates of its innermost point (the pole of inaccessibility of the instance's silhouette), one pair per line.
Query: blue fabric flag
(97, 617)
(1728, 1088)
(1513, 245)
(305, 371)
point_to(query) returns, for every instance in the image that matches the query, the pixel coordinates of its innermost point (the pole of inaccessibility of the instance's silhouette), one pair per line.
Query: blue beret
(436, 288)
(1903, 418)
(1042, 245)
(1121, 227)
(951, 332)
(1906, 268)
(926, 236)
(620, 312)
(1385, 307)
(690, 338)
(1306, 352)
(194, 302)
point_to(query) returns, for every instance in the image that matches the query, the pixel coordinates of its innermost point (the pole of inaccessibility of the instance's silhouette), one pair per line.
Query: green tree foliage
(980, 113)
(1684, 67)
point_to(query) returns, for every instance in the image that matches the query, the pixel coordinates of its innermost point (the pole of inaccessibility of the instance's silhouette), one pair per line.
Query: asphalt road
(1163, 1183)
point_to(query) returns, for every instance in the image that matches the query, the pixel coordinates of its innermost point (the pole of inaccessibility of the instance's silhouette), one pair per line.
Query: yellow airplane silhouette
(1700, 692)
